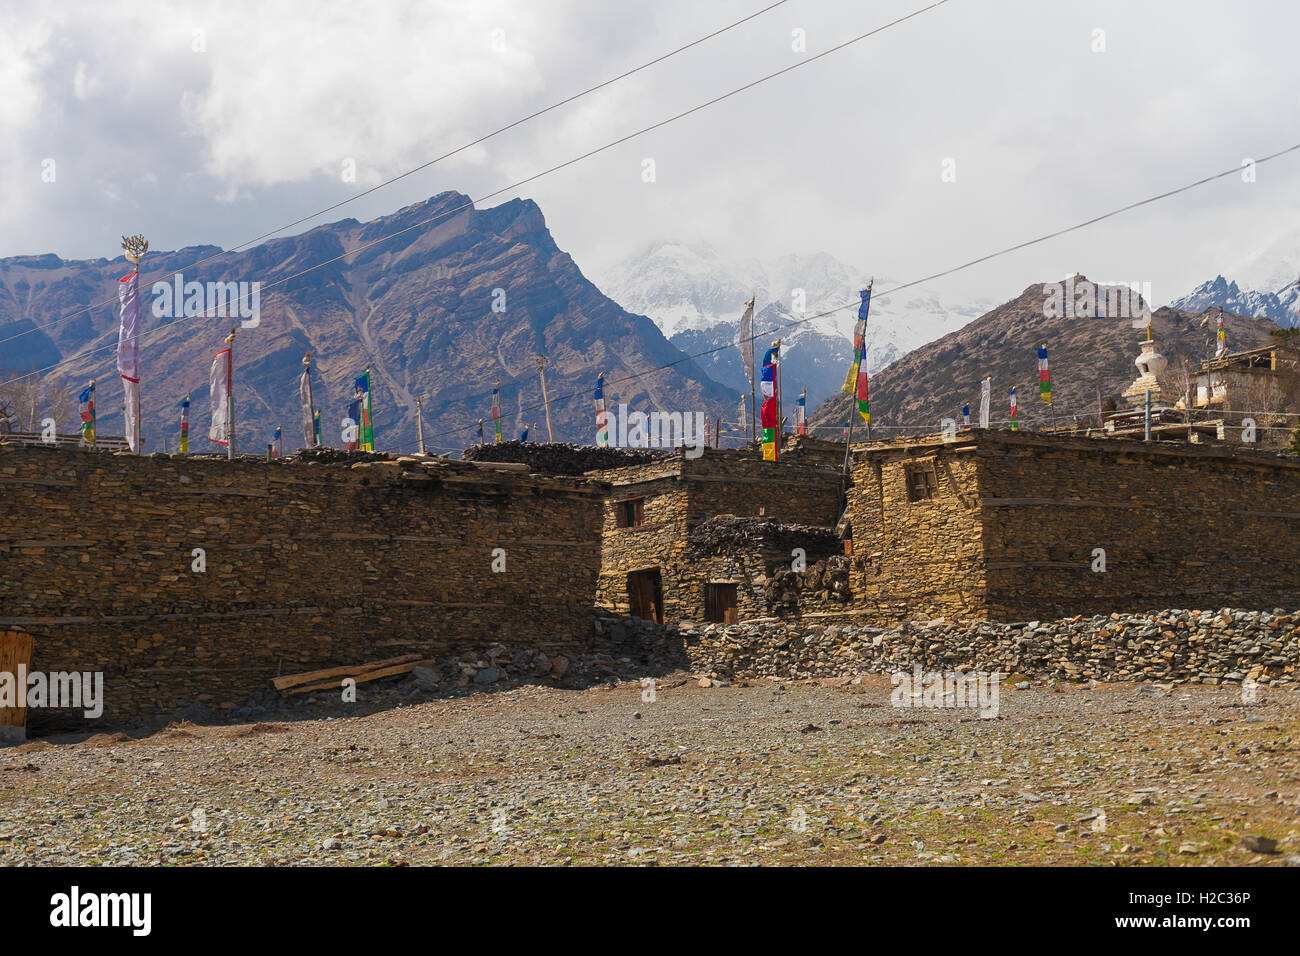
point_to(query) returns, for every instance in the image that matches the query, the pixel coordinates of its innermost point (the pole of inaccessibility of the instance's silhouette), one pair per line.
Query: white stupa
(1151, 365)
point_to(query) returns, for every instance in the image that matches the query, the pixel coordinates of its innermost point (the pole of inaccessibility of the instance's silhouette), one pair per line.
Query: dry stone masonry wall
(1172, 646)
(307, 565)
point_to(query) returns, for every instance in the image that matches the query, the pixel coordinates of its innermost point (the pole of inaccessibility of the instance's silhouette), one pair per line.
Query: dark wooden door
(646, 595)
(720, 603)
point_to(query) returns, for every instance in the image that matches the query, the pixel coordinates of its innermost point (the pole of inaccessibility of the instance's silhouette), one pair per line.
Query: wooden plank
(348, 670)
(334, 683)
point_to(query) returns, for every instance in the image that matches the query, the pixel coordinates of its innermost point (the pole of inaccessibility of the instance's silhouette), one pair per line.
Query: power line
(525, 181)
(529, 179)
(946, 272)
(423, 166)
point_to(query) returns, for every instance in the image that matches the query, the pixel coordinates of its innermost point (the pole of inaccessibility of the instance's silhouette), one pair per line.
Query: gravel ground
(757, 772)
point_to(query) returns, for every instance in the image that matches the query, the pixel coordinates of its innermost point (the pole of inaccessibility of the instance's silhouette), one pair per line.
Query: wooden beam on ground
(350, 670)
(334, 683)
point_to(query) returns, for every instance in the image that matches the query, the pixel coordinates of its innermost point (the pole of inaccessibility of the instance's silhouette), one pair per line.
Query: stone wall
(1190, 526)
(1178, 646)
(308, 565)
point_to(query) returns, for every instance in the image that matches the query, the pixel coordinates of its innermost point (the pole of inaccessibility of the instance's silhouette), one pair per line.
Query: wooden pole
(230, 396)
(419, 427)
(546, 401)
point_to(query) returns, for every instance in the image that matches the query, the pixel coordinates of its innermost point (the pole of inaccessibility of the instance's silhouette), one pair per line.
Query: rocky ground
(745, 773)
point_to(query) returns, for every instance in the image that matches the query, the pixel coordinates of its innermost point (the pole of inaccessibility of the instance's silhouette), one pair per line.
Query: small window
(631, 513)
(921, 482)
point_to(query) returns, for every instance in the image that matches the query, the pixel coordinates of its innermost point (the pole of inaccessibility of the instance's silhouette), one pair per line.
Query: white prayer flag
(131, 411)
(128, 336)
(219, 392)
(986, 388)
(308, 409)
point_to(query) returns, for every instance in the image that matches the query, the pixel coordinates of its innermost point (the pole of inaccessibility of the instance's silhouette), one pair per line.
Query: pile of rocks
(1192, 646)
(730, 534)
(560, 458)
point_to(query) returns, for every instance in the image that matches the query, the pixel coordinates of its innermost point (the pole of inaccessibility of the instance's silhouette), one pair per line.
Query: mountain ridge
(912, 395)
(439, 312)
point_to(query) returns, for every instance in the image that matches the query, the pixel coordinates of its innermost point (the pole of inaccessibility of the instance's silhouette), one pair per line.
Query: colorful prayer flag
(86, 410)
(800, 408)
(279, 445)
(496, 409)
(602, 431)
(365, 425)
(965, 417)
(1044, 376)
(185, 425)
(768, 419)
(1222, 350)
(860, 346)
(1015, 412)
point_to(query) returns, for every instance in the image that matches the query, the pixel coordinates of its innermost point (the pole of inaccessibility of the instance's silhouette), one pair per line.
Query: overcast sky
(211, 123)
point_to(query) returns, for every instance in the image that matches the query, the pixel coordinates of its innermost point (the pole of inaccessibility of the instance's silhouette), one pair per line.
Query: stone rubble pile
(1226, 646)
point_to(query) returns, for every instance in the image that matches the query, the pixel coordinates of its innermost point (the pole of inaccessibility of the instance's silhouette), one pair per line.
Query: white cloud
(251, 130)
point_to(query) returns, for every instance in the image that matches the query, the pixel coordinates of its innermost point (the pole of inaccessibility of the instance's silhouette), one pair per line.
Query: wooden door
(15, 651)
(646, 595)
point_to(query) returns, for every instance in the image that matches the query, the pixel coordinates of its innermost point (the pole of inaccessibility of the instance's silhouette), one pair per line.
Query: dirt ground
(760, 773)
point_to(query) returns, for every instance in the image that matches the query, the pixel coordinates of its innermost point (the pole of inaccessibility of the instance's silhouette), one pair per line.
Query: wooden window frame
(922, 480)
(636, 517)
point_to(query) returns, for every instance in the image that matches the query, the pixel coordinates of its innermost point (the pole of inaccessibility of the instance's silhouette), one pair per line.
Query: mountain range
(1219, 293)
(935, 380)
(696, 296)
(438, 312)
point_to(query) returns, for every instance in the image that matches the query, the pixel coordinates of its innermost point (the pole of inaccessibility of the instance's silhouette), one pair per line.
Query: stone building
(650, 569)
(1262, 384)
(1018, 525)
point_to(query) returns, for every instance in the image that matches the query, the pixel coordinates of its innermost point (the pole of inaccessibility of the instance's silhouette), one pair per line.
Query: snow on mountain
(696, 297)
(1264, 283)
(1220, 293)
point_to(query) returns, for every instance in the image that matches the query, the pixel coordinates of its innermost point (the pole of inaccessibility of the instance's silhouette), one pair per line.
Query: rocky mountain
(696, 296)
(932, 382)
(438, 312)
(1219, 293)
